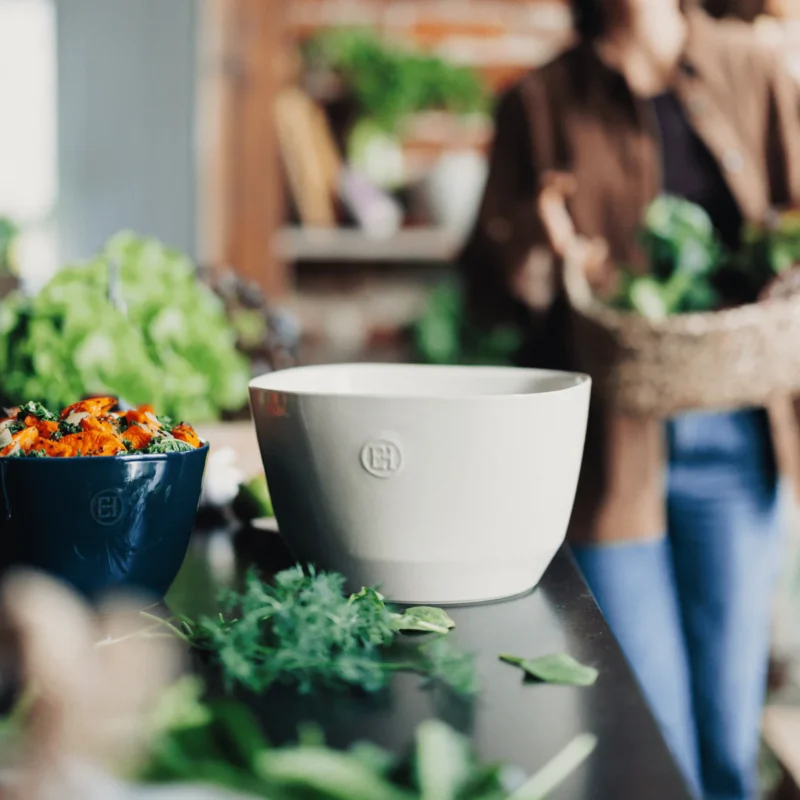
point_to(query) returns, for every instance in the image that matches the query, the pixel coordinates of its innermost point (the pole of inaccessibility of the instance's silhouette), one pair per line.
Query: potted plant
(408, 109)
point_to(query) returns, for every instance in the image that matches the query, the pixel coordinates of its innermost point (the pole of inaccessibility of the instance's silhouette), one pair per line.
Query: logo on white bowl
(381, 458)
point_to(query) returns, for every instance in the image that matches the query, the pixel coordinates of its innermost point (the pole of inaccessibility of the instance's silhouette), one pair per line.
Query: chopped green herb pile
(221, 743)
(303, 630)
(555, 668)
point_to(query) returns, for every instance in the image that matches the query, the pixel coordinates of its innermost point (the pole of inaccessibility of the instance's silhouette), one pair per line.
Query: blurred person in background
(676, 525)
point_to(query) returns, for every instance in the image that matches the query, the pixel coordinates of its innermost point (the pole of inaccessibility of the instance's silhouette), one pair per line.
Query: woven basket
(733, 358)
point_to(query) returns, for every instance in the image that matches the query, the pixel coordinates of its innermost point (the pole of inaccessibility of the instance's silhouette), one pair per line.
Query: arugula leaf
(555, 668)
(425, 619)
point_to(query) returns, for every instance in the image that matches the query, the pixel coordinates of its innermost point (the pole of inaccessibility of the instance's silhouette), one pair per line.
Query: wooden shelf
(412, 245)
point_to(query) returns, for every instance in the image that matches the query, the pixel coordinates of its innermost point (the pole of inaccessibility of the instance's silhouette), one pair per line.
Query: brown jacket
(577, 115)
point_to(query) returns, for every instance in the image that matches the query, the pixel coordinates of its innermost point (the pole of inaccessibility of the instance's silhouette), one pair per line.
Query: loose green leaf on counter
(554, 668)
(425, 619)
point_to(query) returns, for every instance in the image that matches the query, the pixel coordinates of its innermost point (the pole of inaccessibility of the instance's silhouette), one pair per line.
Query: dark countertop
(511, 721)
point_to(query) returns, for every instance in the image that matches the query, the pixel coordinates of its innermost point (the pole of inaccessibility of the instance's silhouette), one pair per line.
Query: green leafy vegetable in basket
(690, 270)
(683, 251)
(679, 237)
(170, 344)
(219, 742)
(303, 630)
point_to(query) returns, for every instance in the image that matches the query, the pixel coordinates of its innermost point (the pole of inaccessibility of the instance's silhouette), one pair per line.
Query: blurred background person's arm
(508, 245)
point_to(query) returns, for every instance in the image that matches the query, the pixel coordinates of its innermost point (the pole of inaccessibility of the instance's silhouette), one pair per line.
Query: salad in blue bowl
(101, 498)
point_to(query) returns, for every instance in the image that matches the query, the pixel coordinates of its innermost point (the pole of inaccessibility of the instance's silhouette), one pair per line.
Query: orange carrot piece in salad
(186, 433)
(138, 437)
(52, 447)
(22, 440)
(45, 427)
(92, 443)
(94, 406)
(144, 416)
(108, 426)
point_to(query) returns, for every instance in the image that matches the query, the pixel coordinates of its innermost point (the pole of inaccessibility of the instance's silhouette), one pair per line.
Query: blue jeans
(692, 611)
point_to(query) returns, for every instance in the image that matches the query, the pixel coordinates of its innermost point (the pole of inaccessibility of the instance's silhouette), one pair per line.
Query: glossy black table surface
(510, 721)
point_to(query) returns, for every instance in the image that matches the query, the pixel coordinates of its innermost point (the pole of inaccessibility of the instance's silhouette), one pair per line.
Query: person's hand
(590, 255)
(552, 207)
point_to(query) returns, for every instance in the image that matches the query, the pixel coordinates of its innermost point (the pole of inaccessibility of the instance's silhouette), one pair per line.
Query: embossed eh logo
(108, 507)
(381, 459)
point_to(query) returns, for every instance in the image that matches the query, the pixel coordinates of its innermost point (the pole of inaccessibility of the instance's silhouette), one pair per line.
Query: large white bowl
(437, 484)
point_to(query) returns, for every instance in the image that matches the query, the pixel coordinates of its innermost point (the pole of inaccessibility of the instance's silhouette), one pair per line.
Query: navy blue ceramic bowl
(101, 523)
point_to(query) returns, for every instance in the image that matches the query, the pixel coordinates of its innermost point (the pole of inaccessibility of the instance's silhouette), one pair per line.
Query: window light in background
(28, 132)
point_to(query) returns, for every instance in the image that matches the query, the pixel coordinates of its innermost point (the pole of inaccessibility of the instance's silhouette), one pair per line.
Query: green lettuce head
(171, 345)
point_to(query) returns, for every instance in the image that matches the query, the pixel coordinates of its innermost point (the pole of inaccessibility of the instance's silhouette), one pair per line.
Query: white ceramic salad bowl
(437, 484)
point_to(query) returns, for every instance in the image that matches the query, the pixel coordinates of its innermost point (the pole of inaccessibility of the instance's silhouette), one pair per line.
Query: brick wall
(499, 37)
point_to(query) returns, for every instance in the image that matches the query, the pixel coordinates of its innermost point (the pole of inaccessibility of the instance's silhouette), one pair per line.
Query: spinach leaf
(424, 619)
(557, 668)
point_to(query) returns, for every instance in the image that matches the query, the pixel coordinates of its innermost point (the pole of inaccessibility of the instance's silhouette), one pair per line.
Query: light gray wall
(126, 71)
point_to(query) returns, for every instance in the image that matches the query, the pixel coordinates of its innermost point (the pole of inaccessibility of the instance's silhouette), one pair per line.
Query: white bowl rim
(276, 381)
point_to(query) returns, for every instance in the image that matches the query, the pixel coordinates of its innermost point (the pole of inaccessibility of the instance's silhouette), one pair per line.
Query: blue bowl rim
(139, 457)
